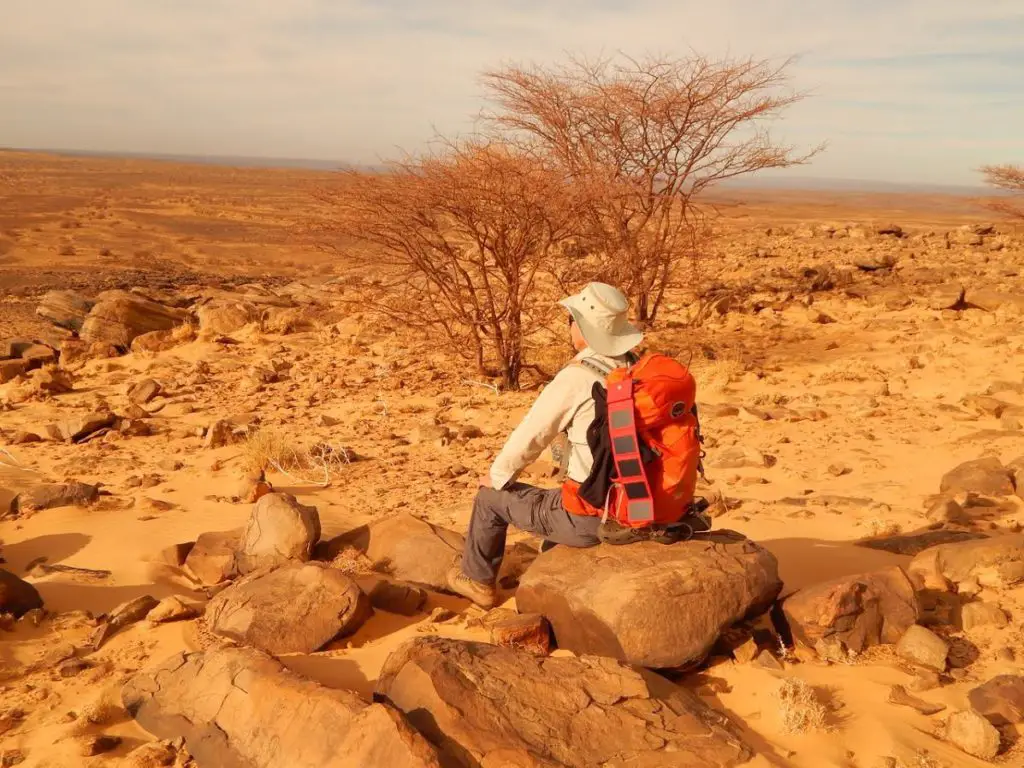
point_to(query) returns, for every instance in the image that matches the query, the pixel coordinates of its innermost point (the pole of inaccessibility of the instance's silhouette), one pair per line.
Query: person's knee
(489, 503)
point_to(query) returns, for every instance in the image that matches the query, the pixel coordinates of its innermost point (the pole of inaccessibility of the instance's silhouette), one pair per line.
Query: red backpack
(652, 406)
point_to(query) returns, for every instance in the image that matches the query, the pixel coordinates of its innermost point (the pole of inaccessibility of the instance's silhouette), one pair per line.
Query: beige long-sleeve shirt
(565, 405)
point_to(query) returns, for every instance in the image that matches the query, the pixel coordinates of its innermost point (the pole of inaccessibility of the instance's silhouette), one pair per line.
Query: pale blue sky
(905, 90)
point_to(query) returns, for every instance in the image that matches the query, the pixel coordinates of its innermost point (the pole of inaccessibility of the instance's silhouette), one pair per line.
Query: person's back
(604, 339)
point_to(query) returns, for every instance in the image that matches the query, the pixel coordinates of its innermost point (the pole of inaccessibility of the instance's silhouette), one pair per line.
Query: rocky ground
(229, 497)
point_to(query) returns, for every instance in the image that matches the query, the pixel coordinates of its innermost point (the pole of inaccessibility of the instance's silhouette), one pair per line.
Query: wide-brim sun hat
(600, 310)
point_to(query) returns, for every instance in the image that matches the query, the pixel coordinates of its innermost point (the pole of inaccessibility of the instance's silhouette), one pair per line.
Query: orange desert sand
(861, 367)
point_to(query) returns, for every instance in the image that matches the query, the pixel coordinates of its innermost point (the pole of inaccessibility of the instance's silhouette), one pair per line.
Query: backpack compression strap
(626, 453)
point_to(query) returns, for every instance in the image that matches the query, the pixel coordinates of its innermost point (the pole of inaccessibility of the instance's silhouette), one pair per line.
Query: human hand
(485, 481)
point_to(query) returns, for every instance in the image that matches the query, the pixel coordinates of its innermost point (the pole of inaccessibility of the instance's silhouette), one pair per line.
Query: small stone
(898, 695)
(838, 470)
(171, 609)
(747, 652)
(529, 632)
(98, 745)
(947, 511)
(767, 660)
(73, 667)
(923, 647)
(440, 615)
(219, 434)
(144, 391)
(973, 734)
(974, 615)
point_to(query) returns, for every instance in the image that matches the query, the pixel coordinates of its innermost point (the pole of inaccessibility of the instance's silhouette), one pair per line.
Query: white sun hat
(600, 312)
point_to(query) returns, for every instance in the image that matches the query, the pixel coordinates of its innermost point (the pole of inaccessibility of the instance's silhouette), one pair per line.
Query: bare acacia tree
(462, 237)
(643, 140)
(1009, 178)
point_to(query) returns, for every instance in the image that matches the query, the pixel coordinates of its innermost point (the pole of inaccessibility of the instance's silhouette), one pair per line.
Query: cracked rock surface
(238, 708)
(486, 706)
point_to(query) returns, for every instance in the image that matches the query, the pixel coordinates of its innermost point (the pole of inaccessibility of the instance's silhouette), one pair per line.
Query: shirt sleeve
(550, 414)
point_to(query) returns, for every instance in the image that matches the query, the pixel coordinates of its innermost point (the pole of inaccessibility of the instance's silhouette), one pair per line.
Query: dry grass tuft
(271, 449)
(800, 707)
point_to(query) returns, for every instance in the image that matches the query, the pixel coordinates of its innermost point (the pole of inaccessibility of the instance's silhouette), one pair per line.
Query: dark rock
(90, 746)
(1000, 700)
(17, 596)
(12, 369)
(915, 543)
(647, 603)
(403, 599)
(238, 708)
(50, 496)
(853, 612)
(298, 608)
(483, 705)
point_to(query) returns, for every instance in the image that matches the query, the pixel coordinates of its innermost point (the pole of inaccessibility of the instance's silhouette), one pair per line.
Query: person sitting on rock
(604, 339)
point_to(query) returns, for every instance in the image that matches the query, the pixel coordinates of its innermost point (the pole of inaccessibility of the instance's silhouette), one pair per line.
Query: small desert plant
(268, 448)
(800, 707)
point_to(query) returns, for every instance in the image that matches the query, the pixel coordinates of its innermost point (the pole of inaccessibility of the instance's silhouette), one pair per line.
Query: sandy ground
(881, 390)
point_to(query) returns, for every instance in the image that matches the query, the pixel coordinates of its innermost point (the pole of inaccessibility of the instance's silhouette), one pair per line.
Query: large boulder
(483, 705)
(986, 476)
(42, 496)
(406, 547)
(650, 604)
(280, 530)
(853, 612)
(995, 562)
(17, 596)
(237, 708)
(223, 317)
(65, 309)
(1000, 700)
(298, 608)
(120, 316)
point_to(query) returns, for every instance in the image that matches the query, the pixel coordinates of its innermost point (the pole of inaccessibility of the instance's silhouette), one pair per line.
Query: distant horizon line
(765, 182)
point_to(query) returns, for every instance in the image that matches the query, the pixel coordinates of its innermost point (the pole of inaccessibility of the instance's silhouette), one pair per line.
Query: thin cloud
(352, 80)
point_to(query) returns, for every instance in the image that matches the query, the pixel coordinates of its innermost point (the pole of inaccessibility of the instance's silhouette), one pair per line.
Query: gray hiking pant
(536, 510)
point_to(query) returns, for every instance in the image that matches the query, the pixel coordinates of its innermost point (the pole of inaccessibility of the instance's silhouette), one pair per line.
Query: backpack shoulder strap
(595, 366)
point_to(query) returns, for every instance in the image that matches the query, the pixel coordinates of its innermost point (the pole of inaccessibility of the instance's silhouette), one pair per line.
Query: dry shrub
(267, 448)
(644, 140)
(1008, 178)
(800, 707)
(463, 237)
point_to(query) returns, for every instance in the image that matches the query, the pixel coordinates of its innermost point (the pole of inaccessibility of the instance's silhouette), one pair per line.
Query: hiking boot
(480, 593)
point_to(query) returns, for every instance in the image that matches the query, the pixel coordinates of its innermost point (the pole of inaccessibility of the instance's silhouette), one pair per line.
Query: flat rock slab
(854, 612)
(915, 543)
(996, 562)
(238, 708)
(650, 604)
(483, 705)
(297, 608)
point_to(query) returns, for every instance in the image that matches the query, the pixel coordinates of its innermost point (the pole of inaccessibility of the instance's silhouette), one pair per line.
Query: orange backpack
(651, 405)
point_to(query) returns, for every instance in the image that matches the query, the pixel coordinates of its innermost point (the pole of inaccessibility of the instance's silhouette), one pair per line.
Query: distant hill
(765, 181)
